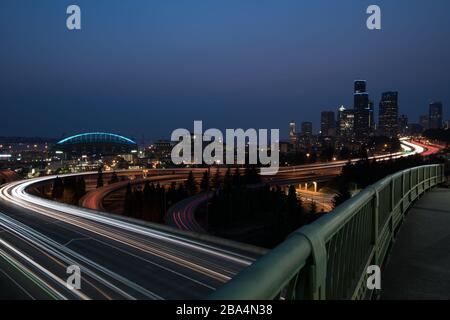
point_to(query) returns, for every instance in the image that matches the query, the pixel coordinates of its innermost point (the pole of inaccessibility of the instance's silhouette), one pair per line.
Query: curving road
(119, 259)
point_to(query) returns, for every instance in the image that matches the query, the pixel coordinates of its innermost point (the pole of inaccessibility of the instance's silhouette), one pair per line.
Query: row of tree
(152, 202)
(438, 135)
(366, 172)
(68, 189)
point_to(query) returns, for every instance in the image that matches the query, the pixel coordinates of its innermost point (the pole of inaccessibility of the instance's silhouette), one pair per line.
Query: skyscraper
(328, 123)
(435, 115)
(362, 112)
(360, 86)
(292, 133)
(307, 128)
(403, 125)
(424, 122)
(388, 116)
(346, 123)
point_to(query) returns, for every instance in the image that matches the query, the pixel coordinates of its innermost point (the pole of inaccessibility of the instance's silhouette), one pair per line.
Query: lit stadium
(95, 144)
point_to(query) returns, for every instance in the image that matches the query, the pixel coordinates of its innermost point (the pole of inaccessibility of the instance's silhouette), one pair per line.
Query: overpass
(328, 259)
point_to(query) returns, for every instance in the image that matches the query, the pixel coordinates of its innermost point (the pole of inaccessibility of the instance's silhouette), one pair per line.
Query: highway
(118, 259)
(182, 214)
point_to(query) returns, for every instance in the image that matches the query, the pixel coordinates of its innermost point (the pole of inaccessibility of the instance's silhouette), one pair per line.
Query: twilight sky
(147, 67)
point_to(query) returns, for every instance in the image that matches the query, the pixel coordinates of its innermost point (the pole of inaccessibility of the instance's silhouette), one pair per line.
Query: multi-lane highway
(182, 214)
(119, 259)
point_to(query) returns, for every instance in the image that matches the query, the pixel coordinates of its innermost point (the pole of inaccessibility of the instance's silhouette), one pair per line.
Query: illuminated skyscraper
(293, 133)
(362, 123)
(346, 120)
(403, 125)
(328, 124)
(424, 122)
(388, 117)
(435, 115)
(307, 128)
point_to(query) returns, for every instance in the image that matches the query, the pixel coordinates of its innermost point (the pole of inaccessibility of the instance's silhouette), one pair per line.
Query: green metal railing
(328, 259)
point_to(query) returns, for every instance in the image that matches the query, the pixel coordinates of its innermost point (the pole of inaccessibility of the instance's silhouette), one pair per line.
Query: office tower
(346, 123)
(424, 122)
(403, 125)
(292, 133)
(388, 116)
(306, 128)
(372, 125)
(360, 86)
(362, 112)
(435, 115)
(328, 124)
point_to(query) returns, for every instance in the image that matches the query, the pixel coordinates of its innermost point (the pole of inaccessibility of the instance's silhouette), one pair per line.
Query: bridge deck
(419, 266)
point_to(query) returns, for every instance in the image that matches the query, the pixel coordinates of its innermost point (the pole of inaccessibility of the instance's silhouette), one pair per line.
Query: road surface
(119, 259)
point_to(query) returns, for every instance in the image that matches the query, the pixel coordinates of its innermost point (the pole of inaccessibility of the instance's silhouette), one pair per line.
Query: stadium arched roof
(96, 137)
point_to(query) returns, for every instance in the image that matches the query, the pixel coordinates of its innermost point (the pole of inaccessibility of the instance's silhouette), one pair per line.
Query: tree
(58, 188)
(100, 177)
(204, 183)
(80, 189)
(216, 180)
(313, 207)
(191, 185)
(128, 205)
(70, 187)
(114, 178)
(228, 180)
(342, 195)
(237, 178)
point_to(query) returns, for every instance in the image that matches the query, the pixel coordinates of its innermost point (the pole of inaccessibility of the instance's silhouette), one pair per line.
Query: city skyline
(176, 64)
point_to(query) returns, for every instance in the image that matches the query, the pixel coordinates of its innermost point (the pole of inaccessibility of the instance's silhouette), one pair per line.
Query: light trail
(190, 260)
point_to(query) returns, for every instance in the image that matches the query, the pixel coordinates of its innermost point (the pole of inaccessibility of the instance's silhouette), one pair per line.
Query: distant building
(435, 115)
(162, 150)
(95, 144)
(388, 116)
(285, 147)
(424, 122)
(372, 125)
(362, 123)
(346, 120)
(415, 129)
(307, 128)
(292, 133)
(403, 126)
(328, 124)
(360, 86)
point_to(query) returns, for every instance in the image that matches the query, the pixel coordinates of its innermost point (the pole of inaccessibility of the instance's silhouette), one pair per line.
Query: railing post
(391, 216)
(403, 195)
(376, 207)
(411, 185)
(319, 269)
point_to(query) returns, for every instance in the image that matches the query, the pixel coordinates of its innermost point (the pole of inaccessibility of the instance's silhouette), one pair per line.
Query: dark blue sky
(148, 67)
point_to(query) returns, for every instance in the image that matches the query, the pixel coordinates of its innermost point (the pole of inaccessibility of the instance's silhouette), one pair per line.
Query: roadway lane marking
(76, 239)
(48, 245)
(18, 285)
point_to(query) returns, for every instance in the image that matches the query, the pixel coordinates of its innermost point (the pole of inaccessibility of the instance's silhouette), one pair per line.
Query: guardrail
(328, 259)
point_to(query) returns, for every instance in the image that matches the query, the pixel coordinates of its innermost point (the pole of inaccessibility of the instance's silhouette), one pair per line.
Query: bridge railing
(328, 259)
